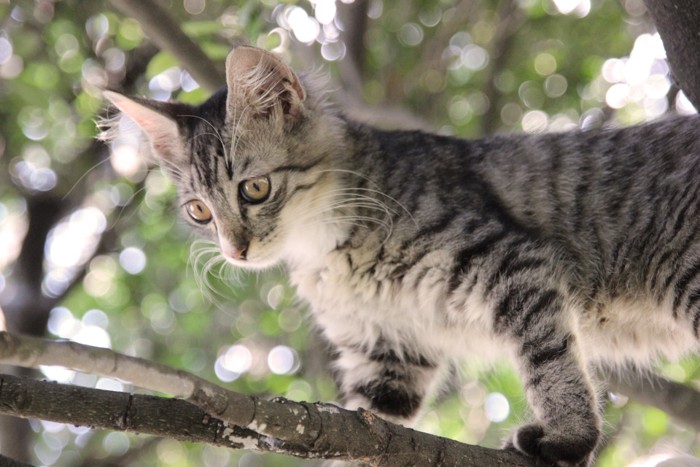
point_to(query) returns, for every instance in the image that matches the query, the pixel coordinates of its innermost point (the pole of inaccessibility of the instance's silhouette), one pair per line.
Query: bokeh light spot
(282, 360)
(496, 407)
(132, 260)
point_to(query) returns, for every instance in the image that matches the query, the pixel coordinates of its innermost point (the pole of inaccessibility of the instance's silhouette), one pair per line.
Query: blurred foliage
(465, 67)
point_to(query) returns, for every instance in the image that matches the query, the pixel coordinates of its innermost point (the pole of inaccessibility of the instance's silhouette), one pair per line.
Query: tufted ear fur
(156, 119)
(261, 83)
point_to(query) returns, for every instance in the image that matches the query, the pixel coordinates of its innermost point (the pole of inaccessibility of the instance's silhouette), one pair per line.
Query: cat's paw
(570, 448)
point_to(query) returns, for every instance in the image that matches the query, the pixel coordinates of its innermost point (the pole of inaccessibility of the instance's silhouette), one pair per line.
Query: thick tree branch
(677, 22)
(678, 400)
(173, 418)
(221, 417)
(7, 462)
(166, 33)
(353, 17)
(227, 418)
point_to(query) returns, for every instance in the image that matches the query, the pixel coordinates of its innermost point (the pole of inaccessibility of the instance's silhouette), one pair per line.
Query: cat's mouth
(246, 259)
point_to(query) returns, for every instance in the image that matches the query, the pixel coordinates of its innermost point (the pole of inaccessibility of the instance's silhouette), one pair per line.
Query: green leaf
(197, 29)
(655, 422)
(129, 35)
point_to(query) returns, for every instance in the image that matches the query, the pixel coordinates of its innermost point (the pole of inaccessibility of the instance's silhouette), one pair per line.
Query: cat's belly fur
(361, 309)
(634, 331)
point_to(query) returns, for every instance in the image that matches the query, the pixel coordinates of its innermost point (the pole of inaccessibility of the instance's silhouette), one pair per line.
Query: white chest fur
(358, 304)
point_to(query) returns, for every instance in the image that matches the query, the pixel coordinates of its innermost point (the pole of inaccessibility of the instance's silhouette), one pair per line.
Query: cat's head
(252, 163)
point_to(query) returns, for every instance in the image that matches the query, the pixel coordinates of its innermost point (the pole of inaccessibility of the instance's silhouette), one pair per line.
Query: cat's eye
(198, 211)
(255, 190)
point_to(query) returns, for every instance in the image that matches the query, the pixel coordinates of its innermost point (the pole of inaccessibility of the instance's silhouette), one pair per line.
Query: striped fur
(561, 251)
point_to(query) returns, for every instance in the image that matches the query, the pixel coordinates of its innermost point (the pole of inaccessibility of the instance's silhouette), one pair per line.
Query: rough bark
(216, 416)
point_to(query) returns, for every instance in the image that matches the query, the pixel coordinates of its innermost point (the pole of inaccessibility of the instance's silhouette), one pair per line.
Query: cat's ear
(260, 82)
(154, 119)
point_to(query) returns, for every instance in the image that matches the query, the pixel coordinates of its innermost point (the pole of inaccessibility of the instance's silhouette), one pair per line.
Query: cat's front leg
(567, 428)
(389, 380)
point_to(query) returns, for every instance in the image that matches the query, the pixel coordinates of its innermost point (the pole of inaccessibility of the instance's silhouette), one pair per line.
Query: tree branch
(678, 400)
(353, 17)
(221, 417)
(7, 462)
(677, 22)
(510, 16)
(166, 33)
(279, 425)
(173, 418)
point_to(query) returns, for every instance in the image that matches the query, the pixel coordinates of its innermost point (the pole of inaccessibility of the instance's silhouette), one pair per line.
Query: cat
(566, 252)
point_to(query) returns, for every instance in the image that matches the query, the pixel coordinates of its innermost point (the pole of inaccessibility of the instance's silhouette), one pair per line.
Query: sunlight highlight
(69, 245)
(125, 156)
(282, 360)
(132, 260)
(13, 227)
(580, 8)
(73, 240)
(235, 361)
(497, 407)
(641, 79)
(304, 27)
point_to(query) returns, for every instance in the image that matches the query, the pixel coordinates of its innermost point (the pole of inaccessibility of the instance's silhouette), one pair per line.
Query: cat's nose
(237, 252)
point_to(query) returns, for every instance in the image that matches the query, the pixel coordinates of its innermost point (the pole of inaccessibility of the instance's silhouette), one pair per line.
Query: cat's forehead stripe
(244, 165)
(206, 150)
(297, 167)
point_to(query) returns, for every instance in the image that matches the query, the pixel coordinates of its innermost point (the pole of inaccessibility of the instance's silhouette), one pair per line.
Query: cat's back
(613, 213)
(605, 198)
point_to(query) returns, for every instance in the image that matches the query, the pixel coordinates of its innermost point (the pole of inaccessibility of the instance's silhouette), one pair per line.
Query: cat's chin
(253, 264)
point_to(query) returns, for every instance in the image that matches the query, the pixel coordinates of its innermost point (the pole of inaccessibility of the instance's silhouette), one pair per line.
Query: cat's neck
(307, 245)
(339, 201)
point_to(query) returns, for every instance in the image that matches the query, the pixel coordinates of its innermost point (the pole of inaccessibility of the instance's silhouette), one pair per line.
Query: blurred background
(92, 250)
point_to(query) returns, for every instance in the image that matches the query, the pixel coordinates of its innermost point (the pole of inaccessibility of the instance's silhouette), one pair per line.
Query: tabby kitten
(564, 252)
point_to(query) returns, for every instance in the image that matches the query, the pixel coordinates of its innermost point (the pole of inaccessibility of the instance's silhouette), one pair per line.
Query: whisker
(126, 203)
(212, 272)
(87, 172)
(377, 191)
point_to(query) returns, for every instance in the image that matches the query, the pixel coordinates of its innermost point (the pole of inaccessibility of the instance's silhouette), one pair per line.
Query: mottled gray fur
(561, 251)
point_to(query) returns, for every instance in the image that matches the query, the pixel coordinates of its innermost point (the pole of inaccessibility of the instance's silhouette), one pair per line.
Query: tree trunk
(678, 23)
